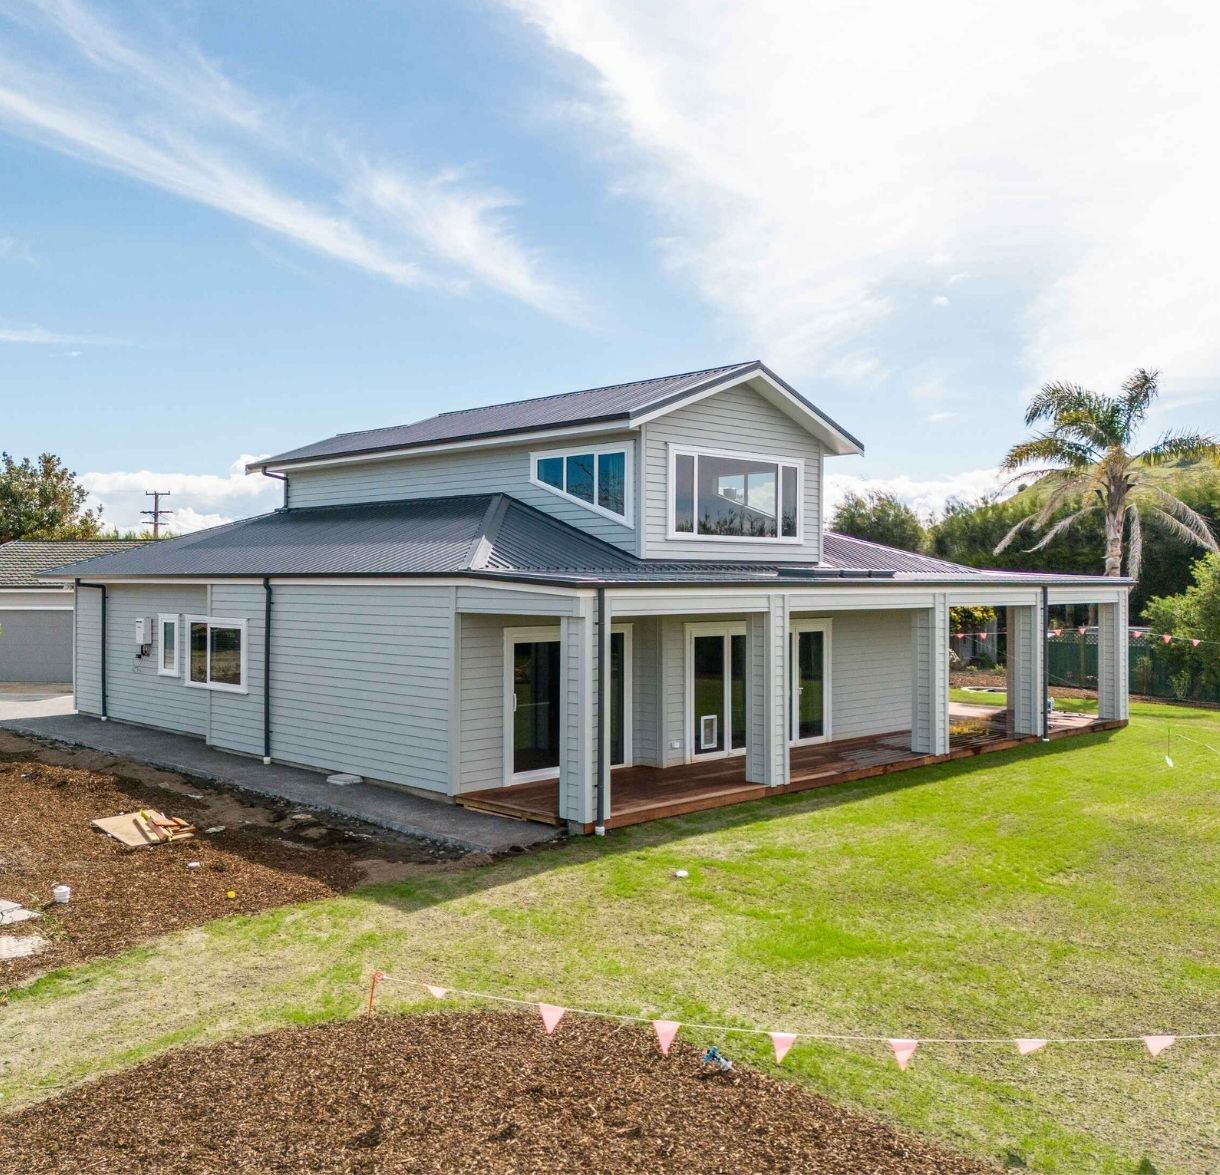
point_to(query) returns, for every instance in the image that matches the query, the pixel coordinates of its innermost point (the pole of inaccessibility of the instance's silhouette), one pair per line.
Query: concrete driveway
(34, 700)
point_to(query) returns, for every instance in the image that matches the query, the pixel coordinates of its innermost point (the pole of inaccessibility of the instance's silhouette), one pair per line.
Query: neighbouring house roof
(626, 403)
(22, 561)
(487, 535)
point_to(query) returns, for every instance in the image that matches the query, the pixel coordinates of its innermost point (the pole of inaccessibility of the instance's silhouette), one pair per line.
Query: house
(593, 608)
(36, 616)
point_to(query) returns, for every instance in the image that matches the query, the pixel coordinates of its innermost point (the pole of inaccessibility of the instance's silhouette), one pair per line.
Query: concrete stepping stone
(13, 912)
(13, 946)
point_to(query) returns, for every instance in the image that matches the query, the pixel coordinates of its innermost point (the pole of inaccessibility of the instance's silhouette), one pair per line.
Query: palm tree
(1084, 458)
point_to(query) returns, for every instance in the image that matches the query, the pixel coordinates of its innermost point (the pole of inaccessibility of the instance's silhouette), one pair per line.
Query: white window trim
(162, 619)
(216, 622)
(797, 627)
(796, 463)
(627, 518)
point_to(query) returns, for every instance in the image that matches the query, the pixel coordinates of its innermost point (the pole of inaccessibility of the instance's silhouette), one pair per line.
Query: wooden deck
(639, 794)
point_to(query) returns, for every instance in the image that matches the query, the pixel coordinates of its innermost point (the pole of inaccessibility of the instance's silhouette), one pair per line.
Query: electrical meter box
(144, 630)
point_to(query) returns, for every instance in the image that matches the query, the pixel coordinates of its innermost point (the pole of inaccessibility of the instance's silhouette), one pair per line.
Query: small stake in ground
(374, 980)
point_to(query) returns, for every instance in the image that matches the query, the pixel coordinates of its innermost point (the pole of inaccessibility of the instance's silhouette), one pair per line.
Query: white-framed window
(168, 631)
(216, 653)
(598, 477)
(724, 496)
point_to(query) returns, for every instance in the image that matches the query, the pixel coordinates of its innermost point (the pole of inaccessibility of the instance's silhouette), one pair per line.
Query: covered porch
(652, 793)
(610, 707)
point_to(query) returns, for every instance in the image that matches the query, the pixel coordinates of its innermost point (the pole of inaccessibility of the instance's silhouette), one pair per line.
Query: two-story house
(592, 608)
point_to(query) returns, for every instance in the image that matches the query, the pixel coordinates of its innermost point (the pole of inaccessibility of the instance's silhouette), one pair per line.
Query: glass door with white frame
(718, 690)
(809, 697)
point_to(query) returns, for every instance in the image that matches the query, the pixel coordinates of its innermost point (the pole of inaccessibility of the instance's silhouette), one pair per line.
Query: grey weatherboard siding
(485, 471)
(738, 419)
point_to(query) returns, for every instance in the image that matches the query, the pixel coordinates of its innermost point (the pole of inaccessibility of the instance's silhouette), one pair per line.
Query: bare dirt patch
(267, 854)
(451, 1092)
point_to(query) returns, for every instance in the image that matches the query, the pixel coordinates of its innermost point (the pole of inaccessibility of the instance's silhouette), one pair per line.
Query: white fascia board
(776, 394)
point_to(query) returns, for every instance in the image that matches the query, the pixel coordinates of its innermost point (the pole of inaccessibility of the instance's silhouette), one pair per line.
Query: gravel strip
(451, 1092)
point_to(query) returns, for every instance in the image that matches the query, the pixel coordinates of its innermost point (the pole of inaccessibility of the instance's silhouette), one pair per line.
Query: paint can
(61, 894)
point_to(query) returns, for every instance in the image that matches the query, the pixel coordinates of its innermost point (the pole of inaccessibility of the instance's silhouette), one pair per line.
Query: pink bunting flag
(1056, 632)
(782, 1042)
(959, 636)
(666, 1030)
(551, 1015)
(439, 992)
(1136, 634)
(1156, 1045)
(1194, 642)
(982, 636)
(1083, 629)
(1029, 1044)
(1167, 637)
(904, 1050)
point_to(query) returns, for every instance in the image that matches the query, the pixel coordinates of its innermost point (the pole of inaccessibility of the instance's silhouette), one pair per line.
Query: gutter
(278, 477)
(102, 588)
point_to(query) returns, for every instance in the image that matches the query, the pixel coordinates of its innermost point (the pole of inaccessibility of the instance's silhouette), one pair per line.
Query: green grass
(1060, 890)
(980, 698)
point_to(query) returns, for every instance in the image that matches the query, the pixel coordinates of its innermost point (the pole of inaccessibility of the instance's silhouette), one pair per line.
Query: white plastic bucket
(61, 893)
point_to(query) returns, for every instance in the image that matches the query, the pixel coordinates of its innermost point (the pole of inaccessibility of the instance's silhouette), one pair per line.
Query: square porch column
(767, 742)
(1112, 659)
(578, 718)
(930, 678)
(1026, 648)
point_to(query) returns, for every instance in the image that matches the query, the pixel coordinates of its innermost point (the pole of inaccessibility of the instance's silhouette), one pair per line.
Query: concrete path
(19, 700)
(432, 820)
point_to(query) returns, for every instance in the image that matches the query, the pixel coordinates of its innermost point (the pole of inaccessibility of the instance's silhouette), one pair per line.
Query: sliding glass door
(809, 696)
(533, 706)
(718, 689)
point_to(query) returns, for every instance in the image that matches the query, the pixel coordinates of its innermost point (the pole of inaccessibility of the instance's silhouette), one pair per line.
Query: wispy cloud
(38, 335)
(927, 497)
(811, 162)
(165, 115)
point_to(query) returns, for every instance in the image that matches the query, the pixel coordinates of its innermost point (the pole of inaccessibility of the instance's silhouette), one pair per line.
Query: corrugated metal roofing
(583, 407)
(23, 560)
(491, 534)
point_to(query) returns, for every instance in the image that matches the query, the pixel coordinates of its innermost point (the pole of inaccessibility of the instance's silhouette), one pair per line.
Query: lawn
(1071, 889)
(1000, 698)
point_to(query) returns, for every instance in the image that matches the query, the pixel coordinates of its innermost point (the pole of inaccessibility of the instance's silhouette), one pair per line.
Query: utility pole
(156, 512)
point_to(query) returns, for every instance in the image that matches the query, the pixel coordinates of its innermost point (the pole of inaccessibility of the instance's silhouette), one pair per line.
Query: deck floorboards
(638, 794)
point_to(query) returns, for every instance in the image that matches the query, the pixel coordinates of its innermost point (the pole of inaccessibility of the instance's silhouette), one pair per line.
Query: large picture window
(598, 477)
(718, 495)
(216, 653)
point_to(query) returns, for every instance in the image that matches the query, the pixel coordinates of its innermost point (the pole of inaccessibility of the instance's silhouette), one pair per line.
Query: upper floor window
(596, 476)
(719, 495)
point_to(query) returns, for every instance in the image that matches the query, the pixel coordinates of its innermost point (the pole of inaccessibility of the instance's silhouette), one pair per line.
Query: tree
(1193, 613)
(43, 500)
(1085, 462)
(879, 518)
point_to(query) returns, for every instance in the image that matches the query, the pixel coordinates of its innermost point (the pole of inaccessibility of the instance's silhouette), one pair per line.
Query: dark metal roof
(491, 535)
(591, 406)
(22, 561)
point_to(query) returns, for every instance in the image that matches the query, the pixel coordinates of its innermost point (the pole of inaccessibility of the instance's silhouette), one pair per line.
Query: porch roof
(492, 536)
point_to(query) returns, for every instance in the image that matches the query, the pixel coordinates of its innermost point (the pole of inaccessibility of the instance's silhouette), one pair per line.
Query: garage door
(35, 645)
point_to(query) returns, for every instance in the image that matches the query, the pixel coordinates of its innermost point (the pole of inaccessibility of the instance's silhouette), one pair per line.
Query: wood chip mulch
(451, 1092)
(124, 896)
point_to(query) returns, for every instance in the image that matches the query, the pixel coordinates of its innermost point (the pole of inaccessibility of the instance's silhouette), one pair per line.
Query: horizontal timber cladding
(739, 420)
(360, 680)
(236, 720)
(504, 469)
(87, 651)
(870, 672)
(135, 691)
(646, 686)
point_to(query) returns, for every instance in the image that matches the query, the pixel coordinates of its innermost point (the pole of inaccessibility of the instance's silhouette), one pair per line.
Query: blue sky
(229, 229)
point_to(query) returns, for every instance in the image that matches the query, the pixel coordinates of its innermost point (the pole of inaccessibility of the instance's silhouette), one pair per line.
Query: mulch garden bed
(451, 1092)
(265, 856)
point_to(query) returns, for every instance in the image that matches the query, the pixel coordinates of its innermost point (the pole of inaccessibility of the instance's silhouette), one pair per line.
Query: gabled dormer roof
(620, 405)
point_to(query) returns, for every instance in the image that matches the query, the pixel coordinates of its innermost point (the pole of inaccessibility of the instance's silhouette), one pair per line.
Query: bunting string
(1135, 634)
(903, 1048)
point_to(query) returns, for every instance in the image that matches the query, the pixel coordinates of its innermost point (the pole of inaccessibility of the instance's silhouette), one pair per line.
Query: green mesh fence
(1157, 670)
